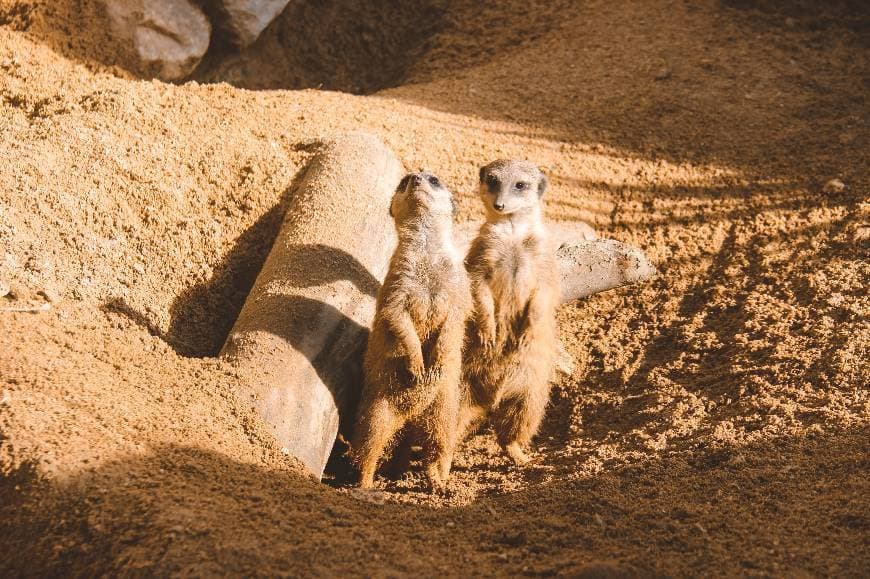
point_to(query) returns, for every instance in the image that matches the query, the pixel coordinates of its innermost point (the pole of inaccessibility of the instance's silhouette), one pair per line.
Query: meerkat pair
(415, 371)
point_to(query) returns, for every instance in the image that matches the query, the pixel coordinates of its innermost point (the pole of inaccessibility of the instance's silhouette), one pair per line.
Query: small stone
(834, 186)
(5, 290)
(49, 295)
(564, 361)
(372, 496)
(599, 521)
(5, 397)
(139, 268)
(663, 73)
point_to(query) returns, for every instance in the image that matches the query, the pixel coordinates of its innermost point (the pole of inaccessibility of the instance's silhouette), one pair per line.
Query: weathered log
(591, 266)
(299, 339)
(587, 264)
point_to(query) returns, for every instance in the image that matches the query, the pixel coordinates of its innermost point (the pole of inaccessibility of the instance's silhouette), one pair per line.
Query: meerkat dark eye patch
(433, 180)
(492, 183)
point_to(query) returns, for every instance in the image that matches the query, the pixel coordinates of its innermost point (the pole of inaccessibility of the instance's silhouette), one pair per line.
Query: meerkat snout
(421, 191)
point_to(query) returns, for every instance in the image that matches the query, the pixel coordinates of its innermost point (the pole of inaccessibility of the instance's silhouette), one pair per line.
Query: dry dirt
(717, 421)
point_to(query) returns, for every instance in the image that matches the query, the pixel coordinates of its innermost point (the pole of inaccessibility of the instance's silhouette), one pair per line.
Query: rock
(168, 37)
(5, 290)
(48, 295)
(834, 186)
(663, 73)
(564, 361)
(245, 20)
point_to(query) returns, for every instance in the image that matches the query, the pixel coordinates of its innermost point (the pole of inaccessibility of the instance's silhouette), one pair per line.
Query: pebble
(663, 74)
(49, 295)
(599, 520)
(5, 290)
(834, 186)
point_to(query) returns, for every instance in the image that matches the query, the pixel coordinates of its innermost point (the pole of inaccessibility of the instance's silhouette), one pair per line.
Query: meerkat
(413, 362)
(513, 342)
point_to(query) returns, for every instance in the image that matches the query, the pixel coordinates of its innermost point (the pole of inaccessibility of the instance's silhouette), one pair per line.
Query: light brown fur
(515, 288)
(414, 357)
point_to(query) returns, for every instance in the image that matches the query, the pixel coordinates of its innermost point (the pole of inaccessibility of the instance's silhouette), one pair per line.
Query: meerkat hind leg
(381, 424)
(516, 421)
(441, 436)
(400, 462)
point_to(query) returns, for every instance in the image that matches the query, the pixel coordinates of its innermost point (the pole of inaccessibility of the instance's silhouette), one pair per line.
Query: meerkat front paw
(486, 334)
(416, 366)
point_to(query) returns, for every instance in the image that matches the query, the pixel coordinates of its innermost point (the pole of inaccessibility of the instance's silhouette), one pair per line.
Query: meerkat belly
(428, 310)
(513, 281)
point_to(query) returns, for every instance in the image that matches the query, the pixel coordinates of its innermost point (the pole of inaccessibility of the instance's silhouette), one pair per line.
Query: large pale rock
(245, 20)
(167, 37)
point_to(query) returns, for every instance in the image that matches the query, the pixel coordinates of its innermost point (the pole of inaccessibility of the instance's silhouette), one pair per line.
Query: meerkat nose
(498, 206)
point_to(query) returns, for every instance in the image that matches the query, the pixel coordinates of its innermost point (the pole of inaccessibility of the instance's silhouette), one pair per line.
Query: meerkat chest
(513, 272)
(433, 297)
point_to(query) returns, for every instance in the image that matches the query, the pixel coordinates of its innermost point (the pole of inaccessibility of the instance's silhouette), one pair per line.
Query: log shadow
(332, 343)
(203, 314)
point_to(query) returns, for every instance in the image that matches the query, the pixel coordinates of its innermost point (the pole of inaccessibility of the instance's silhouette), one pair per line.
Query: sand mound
(717, 418)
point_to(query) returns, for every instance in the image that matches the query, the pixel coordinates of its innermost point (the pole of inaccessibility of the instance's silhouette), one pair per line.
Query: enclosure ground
(718, 418)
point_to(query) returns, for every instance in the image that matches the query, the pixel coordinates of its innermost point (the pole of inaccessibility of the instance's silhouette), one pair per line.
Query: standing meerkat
(413, 361)
(515, 288)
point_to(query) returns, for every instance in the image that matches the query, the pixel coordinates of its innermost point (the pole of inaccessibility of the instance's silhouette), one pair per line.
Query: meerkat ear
(482, 174)
(542, 185)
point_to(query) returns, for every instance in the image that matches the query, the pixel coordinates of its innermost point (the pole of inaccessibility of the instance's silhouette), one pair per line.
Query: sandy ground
(717, 421)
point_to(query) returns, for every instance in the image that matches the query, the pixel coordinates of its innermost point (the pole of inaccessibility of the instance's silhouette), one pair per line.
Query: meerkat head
(421, 192)
(508, 186)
